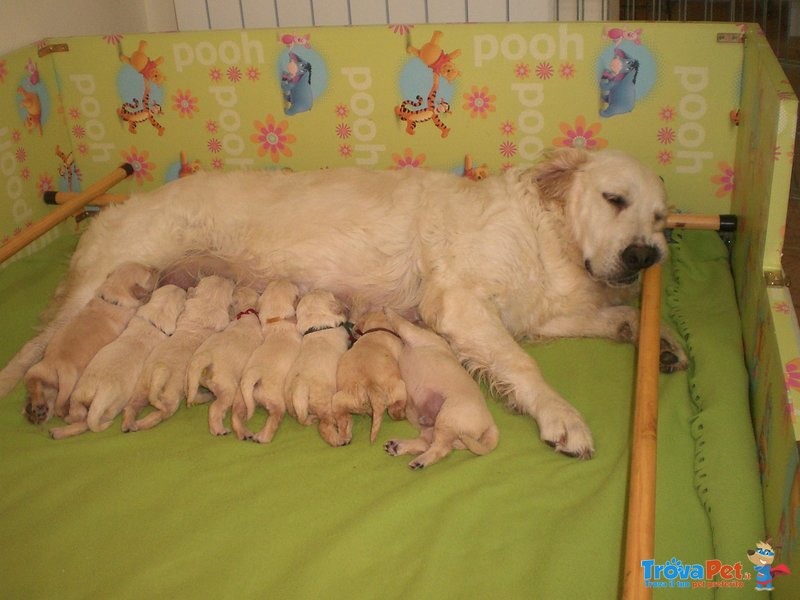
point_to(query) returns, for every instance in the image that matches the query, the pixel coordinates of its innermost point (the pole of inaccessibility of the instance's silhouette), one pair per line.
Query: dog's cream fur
(368, 377)
(51, 381)
(265, 373)
(110, 378)
(444, 402)
(162, 382)
(218, 363)
(311, 380)
(537, 252)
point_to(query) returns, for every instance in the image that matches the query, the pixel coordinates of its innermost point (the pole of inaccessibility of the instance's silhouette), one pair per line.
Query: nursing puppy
(162, 383)
(50, 382)
(218, 363)
(311, 381)
(444, 402)
(265, 372)
(110, 378)
(368, 377)
(548, 251)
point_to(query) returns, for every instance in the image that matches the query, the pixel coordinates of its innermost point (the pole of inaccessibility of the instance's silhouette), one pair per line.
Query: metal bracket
(730, 38)
(776, 279)
(50, 48)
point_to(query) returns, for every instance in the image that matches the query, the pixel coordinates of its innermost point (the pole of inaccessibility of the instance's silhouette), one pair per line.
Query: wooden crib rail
(64, 211)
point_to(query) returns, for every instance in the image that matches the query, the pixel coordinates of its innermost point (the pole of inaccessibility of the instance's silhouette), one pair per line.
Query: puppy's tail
(247, 386)
(484, 444)
(300, 399)
(196, 368)
(158, 383)
(103, 410)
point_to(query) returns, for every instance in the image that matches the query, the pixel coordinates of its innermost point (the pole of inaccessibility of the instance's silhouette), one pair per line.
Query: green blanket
(175, 512)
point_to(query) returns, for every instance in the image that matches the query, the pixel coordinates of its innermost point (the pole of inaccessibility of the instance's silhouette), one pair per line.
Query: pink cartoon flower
(506, 166)
(343, 130)
(74, 113)
(408, 160)
(234, 74)
(776, 153)
(83, 148)
(667, 113)
(214, 74)
(341, 111)
(217, 163)
(214, 145)
(507, 128)
(346, 151)
(400, 29)
(45, 183)
(580, 136)
(21, 155)
(725, 180)
(78, 131)
(211, 126)
(479, 102)
(253, 74)
(522, 70)
(567, 71)
(781, 307)
(792, 374)
(142, 168)
(508, 149)
(113, 39)
(3, 71)
(664, 157)
(16, 135)
(666, 135)
(184, 103)
(272, 138)
(544, 70)
(25, 173)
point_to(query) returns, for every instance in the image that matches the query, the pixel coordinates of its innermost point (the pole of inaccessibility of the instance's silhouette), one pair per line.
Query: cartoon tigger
(135, 112)
(410, 111)
(67, 168)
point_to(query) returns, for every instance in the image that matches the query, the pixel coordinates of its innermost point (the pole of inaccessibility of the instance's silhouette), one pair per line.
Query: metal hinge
(50, 48)
(730, 38)
(776, 279)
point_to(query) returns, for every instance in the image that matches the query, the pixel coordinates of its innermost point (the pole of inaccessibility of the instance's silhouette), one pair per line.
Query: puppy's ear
(141, 293)
(553, 176)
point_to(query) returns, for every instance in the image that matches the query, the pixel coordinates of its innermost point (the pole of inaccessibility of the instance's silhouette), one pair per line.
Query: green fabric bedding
(175, 512)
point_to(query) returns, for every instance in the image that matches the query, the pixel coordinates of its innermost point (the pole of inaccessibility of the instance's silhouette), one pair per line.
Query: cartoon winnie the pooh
(437, 59)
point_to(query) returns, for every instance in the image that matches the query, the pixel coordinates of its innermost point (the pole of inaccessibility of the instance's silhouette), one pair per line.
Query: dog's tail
(300, 398)
(484, 444)
(250, 379)
(104, 408)
(199, 367)
(159, 378)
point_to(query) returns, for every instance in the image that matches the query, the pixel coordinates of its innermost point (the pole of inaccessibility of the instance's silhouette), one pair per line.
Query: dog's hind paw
(415, 465)
(392, 447)
(672, 357)
(36, 413)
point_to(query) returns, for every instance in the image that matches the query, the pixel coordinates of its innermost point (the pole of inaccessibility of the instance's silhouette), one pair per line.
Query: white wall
(23, 22)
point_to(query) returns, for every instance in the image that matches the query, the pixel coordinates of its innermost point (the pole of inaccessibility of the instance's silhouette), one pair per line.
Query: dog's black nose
(639, 256)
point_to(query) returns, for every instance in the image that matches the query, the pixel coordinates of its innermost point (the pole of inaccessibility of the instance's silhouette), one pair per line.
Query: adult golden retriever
(548, 251)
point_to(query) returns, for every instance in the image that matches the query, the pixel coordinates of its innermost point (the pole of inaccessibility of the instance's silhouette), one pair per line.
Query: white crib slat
(331, 12)
(224, 14)
(487, 11)
(191, 15)
(520, 11)
(368, 12)
(258, 13)
(446, 11)
(294, 13)
(404, 12)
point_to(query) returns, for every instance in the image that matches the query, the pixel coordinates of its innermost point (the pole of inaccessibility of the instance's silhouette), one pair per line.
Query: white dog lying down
(110, 378)
(311, 380)
(51, 381)
(265, 372)
(549, 251)
(444, 402)
(219, 361)
(368, 377)
(162, 383)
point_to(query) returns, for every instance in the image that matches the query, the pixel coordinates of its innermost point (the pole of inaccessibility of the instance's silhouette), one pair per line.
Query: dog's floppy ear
(140, 292)
(553, 176)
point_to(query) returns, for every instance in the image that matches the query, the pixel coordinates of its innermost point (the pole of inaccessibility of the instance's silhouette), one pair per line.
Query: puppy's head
(244, 298)
(129, 285)
(319, 308)
(615, 210)
(165, 305)
(372, 320)
(279, 299)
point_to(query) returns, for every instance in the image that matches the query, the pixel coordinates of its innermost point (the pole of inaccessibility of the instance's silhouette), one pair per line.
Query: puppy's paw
(672, 357)
(416, 465)
(392, 447)
(36, 413)
(562, 427)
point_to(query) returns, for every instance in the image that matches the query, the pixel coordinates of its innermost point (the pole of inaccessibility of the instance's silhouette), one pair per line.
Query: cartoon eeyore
(296, 86)
(618, 84)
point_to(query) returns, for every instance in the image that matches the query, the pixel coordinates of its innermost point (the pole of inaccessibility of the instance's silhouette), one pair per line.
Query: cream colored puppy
(110, 378)
(311, 381)
(50, 382)
(162, 383)
(368, 377)
(444, 402)
(265, 372)
(218, 363)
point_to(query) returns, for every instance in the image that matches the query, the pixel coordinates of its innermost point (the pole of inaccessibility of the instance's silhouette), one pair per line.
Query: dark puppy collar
(324, 328)
(360, 333)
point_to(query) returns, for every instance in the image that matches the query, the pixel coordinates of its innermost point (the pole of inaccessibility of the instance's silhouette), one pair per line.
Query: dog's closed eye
(615, 200)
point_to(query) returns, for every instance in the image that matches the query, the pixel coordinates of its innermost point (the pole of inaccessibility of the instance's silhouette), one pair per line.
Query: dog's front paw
(672, 357)
(563, 428)
(416, 465)
(392, 447)
(36, 413)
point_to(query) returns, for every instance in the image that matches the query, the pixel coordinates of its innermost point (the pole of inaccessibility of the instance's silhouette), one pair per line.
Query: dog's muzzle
(632, 260)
